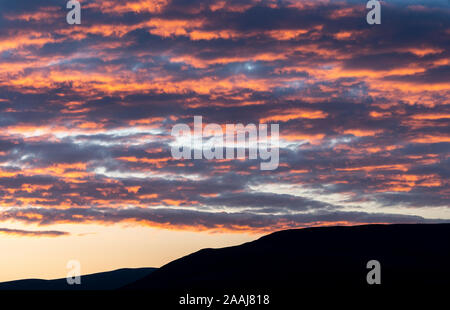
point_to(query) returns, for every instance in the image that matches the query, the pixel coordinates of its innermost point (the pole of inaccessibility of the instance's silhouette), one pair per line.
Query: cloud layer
(86, 112)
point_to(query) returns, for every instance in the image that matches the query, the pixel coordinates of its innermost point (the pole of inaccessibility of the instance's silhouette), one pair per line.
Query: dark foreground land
(110, 280)
(409, 255)
(288, 266)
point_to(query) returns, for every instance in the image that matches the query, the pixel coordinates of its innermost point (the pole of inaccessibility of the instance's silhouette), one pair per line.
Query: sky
(86, 113)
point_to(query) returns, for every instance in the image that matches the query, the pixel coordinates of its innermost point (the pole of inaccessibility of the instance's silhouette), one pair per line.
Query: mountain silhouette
(98, 281)
(410, 255)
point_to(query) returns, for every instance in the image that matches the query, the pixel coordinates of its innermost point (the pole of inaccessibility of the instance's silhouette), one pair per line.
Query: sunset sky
(86, 171)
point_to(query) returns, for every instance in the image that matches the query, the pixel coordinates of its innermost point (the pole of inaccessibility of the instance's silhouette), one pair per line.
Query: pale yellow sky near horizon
(101, 248)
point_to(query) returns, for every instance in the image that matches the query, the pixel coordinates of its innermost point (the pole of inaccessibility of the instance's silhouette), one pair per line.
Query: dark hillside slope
(412, 255)
(98, 281)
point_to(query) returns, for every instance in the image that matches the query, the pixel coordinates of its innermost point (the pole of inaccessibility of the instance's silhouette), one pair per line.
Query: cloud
(29, 233)
(204, 220)
(86, 111)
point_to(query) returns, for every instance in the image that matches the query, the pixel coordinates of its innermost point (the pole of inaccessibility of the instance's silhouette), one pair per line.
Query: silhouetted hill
(98, 281)
(410, 256)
